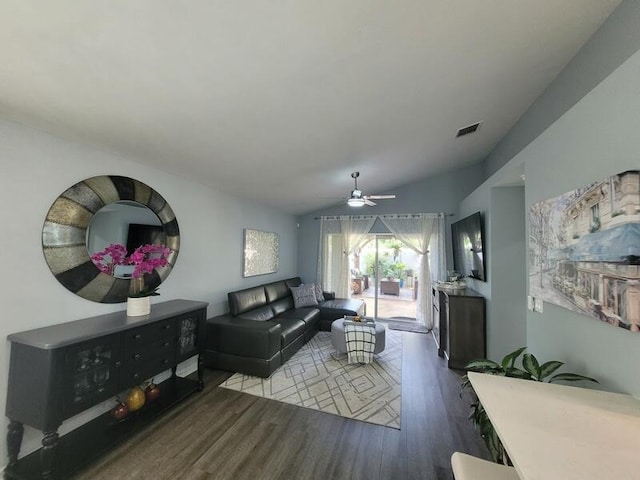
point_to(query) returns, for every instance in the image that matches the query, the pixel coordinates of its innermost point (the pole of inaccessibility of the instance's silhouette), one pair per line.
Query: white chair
(466, 467)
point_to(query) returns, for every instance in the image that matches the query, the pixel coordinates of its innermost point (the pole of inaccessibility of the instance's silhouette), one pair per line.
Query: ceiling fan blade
(380, 197)
(369, 202)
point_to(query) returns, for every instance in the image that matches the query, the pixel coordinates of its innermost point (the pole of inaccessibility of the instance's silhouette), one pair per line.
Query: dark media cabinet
(59, 371)
(459, 326)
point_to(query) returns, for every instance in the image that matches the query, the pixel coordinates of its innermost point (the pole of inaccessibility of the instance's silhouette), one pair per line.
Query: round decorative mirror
(99, 212)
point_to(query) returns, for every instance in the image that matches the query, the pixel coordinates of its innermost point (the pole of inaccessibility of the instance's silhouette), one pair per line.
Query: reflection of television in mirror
(140, 234)
(468, 247)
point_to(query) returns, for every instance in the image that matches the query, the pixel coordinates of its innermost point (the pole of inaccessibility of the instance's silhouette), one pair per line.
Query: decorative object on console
(68, 231)
(531, 370)
(138, 306)
(135, 399)
(120, 411)
(584, 250)
(145, 258)
(261, 253)
(151, 392)
(455, 283)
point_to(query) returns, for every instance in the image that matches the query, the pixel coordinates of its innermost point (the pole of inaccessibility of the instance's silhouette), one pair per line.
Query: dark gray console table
(59, 371)
(461, 324)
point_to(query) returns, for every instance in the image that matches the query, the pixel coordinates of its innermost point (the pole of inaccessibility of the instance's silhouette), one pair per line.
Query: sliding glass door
(384, 274)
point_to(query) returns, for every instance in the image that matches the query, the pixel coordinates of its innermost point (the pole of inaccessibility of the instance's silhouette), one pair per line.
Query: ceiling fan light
(355, 202)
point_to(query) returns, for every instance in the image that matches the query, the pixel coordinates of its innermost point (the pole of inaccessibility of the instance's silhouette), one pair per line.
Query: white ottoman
(339, 343)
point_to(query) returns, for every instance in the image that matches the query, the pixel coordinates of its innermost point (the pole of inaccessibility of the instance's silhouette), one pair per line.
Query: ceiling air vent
(467, 130)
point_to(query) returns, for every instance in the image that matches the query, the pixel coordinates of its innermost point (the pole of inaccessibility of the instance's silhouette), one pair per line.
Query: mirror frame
(65, 230)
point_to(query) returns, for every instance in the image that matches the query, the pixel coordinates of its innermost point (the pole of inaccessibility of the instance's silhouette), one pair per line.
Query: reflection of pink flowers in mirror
(107, 259)
(146, 258)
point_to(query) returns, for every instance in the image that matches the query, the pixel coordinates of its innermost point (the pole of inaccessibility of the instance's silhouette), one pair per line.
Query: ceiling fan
(358, 200)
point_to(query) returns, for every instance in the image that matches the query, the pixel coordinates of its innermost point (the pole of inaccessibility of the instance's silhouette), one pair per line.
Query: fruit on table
(135, 399)
(120, 411)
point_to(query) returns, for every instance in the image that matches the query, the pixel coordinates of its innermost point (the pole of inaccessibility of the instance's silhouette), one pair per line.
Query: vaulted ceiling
(279, 101)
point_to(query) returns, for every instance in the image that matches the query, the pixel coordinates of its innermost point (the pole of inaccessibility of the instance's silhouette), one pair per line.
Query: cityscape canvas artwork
(260, 252)
(584, 250)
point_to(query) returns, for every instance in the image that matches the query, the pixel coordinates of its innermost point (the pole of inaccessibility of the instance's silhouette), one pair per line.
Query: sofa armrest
(243, 337)
(329, 295)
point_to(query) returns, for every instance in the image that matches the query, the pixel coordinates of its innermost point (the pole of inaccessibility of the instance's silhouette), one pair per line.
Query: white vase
(137, 306)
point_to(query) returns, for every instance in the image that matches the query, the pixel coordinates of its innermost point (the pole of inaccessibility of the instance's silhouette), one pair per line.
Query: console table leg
(200, 373)
(14, 441)
(48, 454)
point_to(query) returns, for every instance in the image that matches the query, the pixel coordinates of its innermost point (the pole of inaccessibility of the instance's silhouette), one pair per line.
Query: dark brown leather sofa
(263, 328)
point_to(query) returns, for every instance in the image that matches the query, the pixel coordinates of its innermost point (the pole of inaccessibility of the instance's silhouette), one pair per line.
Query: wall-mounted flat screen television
(468, 247)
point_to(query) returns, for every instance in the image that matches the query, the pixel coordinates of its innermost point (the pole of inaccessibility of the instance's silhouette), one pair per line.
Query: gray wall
(36, 168)
(587, 118)
(441, 193)
(505, 289)
(596, 138)
(608, 48)
(507, 330)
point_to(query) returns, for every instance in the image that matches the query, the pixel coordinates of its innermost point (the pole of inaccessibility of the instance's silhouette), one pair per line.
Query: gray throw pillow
(304, 296)
(319, 295)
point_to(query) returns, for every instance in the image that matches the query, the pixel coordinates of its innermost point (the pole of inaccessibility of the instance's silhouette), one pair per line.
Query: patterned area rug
(319, 378)
(406, 326)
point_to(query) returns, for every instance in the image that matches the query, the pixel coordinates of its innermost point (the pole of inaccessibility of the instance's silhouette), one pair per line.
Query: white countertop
(554, 431)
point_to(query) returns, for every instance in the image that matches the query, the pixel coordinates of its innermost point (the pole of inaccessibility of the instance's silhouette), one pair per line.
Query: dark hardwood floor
(224, 434)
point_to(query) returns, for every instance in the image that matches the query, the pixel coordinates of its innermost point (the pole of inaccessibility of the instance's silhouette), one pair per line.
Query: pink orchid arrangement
(146, 258)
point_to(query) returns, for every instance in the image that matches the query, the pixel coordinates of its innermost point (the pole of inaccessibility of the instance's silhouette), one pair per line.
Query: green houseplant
(383, 265)
(530, 369)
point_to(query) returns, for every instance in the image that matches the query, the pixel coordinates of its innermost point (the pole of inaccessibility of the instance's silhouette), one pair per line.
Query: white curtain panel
(339, 237)
(438, 262)
(330, 264)
(354, 230)
(417, 232)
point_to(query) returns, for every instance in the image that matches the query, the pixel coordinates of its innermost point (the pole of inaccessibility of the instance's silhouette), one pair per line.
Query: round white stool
(339, 343)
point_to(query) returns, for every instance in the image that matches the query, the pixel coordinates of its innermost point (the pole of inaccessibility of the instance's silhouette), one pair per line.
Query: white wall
(36, 167)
